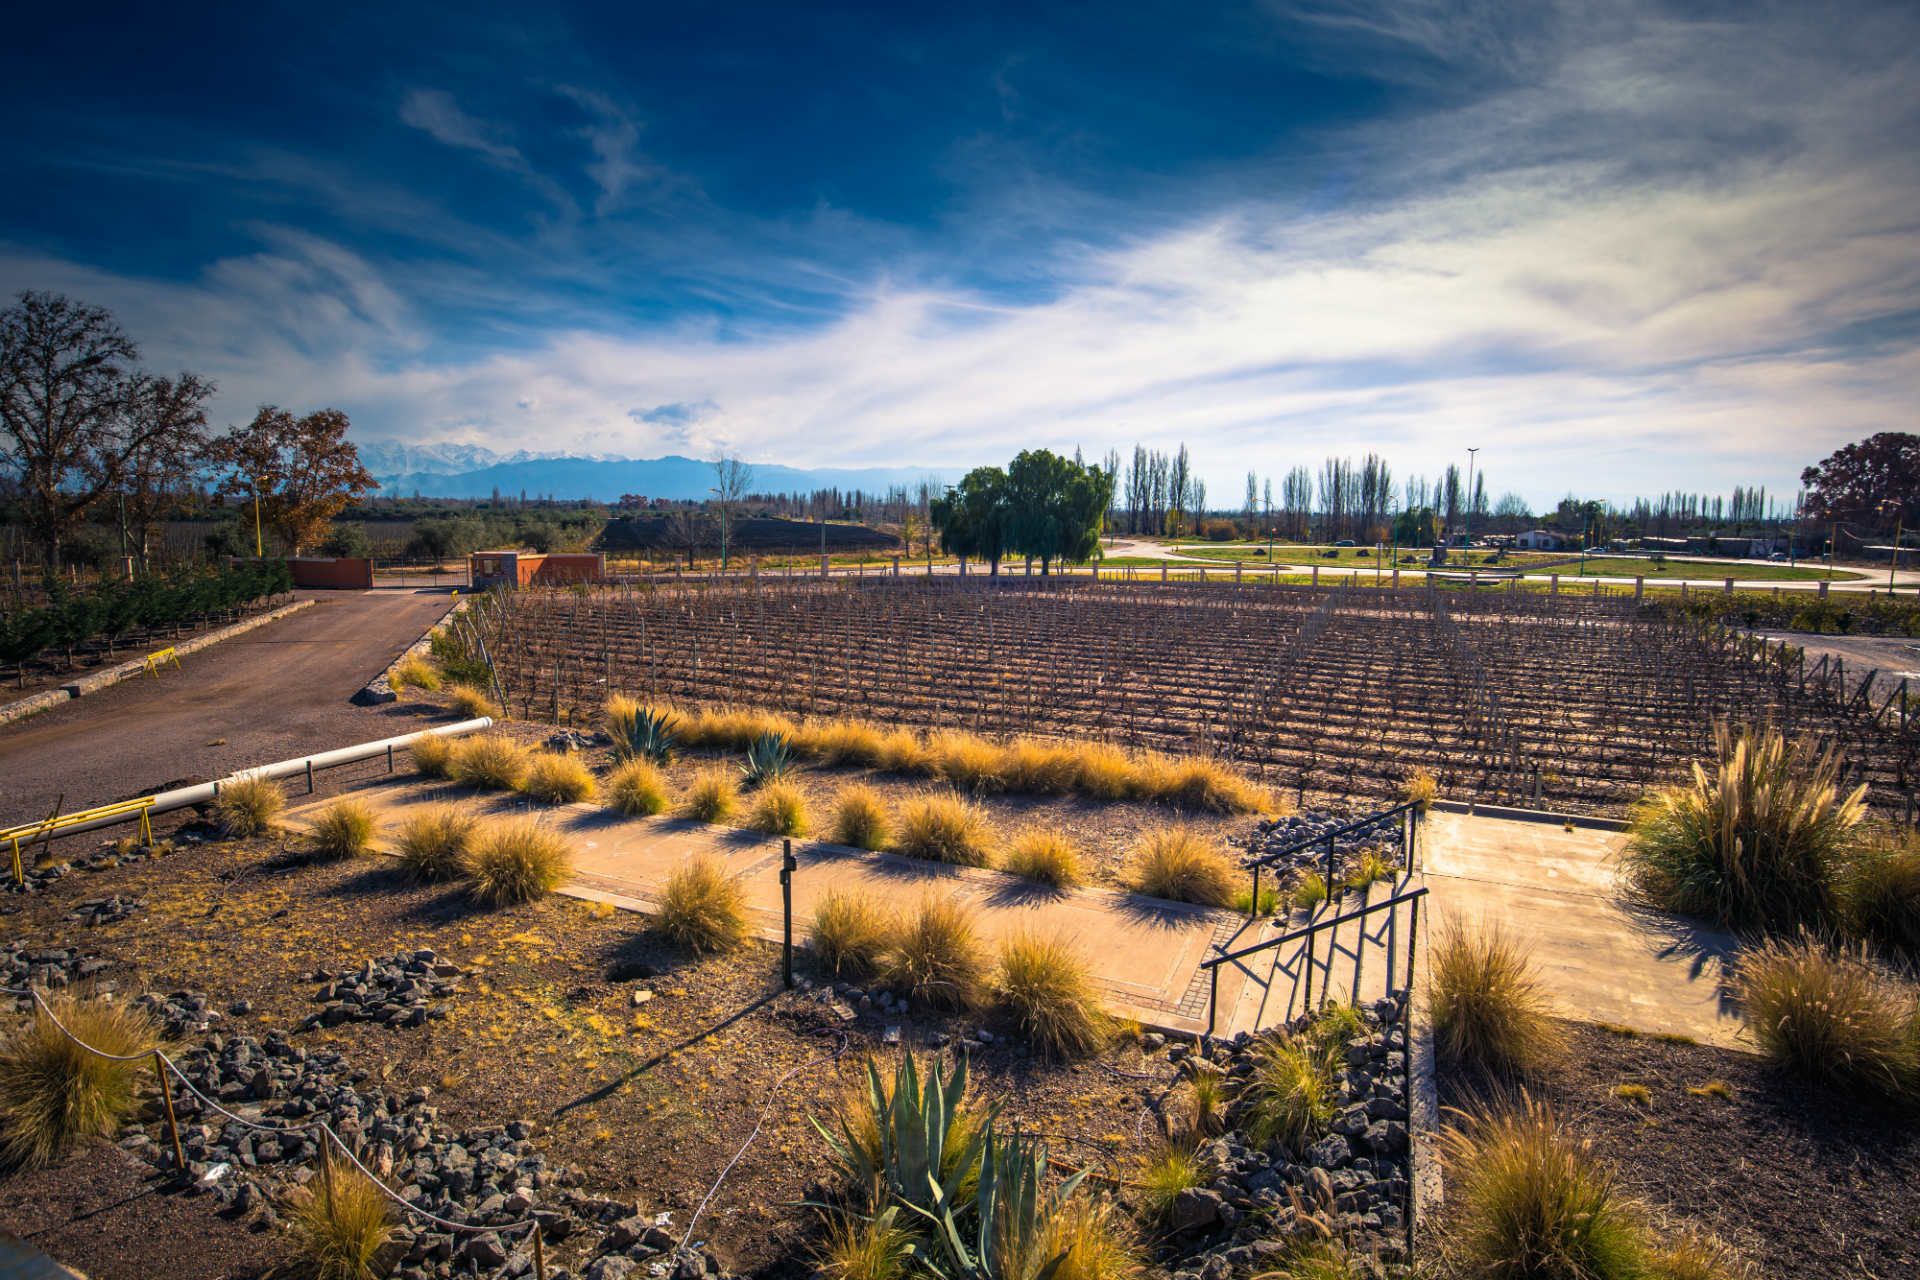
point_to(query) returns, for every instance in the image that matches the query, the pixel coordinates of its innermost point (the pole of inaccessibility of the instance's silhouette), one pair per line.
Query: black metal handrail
(1308, 933)
(1408, 812)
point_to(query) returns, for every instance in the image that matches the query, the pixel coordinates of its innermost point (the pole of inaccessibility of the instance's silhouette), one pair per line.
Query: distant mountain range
(473, 471)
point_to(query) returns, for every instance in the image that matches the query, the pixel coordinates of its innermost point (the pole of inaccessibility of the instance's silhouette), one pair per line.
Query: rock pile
(113, 853)
(404, 990)
(108, 910)
(1350, 1180)
(1285, 837)
(50, 968)
(490, 1177)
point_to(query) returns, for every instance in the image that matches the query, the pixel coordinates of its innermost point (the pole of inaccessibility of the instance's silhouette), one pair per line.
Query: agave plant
(920, 1157)
(1013, 1207)
(769, 756)
(645, 735)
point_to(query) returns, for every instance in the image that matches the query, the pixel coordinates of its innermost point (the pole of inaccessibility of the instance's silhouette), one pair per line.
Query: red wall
(563, 567)
(343, 573)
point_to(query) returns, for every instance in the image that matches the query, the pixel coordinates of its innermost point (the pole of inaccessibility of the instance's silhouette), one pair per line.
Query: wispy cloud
(435, 113)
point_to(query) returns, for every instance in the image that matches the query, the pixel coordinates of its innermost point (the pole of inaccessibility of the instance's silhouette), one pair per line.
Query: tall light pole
(1469, 535)
(1893, 562)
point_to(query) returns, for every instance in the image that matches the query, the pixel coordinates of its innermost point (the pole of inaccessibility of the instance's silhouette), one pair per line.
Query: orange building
(534, 568)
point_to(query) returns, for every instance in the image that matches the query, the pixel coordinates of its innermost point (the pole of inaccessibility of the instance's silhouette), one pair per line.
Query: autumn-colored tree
(1867, 480)
(302, 471)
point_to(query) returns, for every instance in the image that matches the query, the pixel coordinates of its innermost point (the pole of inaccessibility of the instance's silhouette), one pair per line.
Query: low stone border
(127, 670)
(1591, 821)
(380, 689)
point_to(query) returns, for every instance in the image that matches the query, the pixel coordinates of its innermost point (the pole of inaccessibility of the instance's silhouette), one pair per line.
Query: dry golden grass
(851, 933)
(515, 861)
(1421, 788)
(340, 1222)
(552, 777)
(860, 818)
(473, 703)
(779, 809)
(414, 673)
(966, 760)
(841, 742)
(1757, 842)
(865, 1247)
(902, 751)
(1046, 855)
(1045, 985)
(1832, 1016)
(712, 797)
(637, 788)
(1094, 1240)
(433, 842)
(734, 728)
(432, 755)
(1039, 767)
(702, 907)
(1172, 1168)
(944, 828)
(489, 761)
(250, 806)
(1175, 861)
(1532, 1201)
(1106, 772)
(344, 829)
(1489, 1010)
(1200, 783)
(54, 1093)
(937, 956)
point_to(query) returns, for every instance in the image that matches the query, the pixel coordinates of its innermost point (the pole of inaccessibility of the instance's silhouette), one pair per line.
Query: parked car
(1778, 555)
(1344, 542)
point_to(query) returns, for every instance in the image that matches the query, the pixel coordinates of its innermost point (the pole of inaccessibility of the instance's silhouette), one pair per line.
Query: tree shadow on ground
(663, 1056)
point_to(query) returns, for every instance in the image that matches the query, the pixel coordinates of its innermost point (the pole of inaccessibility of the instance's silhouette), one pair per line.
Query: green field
(1700, 570)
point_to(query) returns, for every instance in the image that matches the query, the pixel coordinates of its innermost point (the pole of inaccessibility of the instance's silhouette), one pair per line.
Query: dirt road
(267, 695)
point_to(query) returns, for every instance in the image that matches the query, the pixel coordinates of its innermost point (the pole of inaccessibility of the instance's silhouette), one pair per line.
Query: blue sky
(1622, 247)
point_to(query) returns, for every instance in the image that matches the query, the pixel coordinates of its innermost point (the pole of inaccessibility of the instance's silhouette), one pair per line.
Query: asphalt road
(273, 693)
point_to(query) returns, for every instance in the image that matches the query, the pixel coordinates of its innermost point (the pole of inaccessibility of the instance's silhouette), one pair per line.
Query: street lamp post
(1469, 534)
(1893, 561)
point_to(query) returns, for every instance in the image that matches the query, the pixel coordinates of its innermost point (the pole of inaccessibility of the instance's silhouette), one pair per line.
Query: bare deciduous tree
(70, 423)
(732, 478)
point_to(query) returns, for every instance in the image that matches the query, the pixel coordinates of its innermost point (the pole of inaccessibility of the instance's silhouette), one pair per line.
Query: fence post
(309, 775)
(787, 866)
(173, 1125)
(1253, 907)
(539, 1253)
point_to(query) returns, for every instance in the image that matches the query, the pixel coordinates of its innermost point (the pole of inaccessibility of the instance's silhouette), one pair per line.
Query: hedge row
(71, 618)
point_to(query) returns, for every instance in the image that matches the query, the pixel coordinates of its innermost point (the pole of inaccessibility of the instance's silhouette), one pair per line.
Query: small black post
(1306, 1001)
(309, 775)
(1253, 907)
(787, 867)
(1406, 1076)
(1329, 870)
(389, 757)
(1213, 998)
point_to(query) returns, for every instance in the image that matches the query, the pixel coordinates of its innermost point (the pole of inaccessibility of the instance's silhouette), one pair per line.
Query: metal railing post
(787, 866)
(1213, 998)
(1253, 905)
(173, 1124)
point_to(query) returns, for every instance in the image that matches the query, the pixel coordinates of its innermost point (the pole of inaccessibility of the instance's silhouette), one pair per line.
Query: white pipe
(202, 793)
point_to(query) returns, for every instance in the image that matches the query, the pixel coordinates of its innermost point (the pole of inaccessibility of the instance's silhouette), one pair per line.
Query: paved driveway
(272, 693)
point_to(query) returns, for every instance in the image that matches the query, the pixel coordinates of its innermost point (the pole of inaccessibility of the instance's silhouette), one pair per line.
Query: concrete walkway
(1602, 961)
(1145, 954)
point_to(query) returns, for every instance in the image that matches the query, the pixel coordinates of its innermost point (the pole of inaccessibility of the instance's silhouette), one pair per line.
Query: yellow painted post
(173, 1125)
(19, 873)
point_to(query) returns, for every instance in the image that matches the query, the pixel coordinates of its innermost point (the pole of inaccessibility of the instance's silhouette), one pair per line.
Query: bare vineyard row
(1573, 703)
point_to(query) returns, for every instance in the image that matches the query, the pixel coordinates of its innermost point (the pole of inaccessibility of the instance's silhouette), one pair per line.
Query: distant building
(1540, 540)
